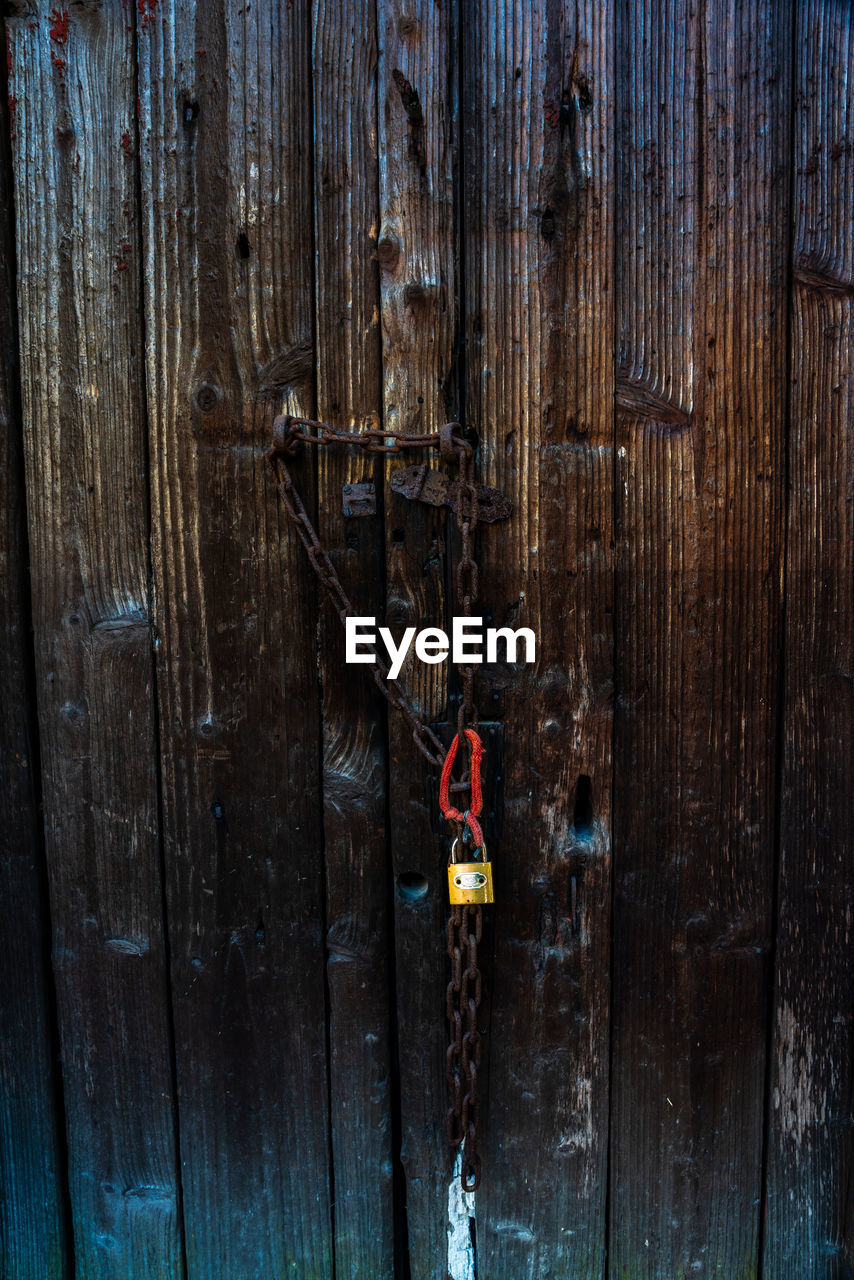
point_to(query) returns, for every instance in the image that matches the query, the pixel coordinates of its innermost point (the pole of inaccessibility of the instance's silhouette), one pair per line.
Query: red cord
(471, 815)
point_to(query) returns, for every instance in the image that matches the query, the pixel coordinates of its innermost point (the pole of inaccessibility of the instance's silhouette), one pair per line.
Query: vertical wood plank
(809, 1228)
(32, 1219)
(354, 754)
(416, 251)
(701, 307)
(226, 187)
(539, 252)
(72, 76)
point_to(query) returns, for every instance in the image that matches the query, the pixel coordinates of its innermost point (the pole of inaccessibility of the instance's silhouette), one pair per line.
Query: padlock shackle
(478, 849)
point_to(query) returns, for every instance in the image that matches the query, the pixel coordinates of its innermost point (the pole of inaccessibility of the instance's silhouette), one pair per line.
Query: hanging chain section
(462, 1057)
(290, 432)
(465, 925)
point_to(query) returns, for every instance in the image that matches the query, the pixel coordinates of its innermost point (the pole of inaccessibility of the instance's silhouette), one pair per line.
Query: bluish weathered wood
(416, 254)
(349, 392)
(703, 133)
(227, 209)
(73, 78)
(32, 1219)
(538, 208)
(809, 1228)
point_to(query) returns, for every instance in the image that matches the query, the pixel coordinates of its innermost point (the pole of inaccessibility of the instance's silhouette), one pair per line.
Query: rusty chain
(463, 1055)
(287, 436)
(465, 924)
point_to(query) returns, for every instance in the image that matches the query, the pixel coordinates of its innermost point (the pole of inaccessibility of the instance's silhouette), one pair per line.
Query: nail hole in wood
(207, 397)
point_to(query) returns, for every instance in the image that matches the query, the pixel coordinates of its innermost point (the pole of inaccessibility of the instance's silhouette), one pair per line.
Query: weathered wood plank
(539, 251)
(417, 152)
(809, 1230)
(32, 1218)
(703, 110)
(349, 391)
(72, 76)
(226, 188)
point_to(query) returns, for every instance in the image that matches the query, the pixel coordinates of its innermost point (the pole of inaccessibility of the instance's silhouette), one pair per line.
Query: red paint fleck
(13, 114)
(126, 143)
(59, 30)
(146, 11)
(201, 52)
(33, 25)
(76, 164)
(125, 248)
(59, 63)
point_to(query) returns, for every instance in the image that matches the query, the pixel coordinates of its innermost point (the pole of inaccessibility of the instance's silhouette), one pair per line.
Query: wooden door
(615, 241)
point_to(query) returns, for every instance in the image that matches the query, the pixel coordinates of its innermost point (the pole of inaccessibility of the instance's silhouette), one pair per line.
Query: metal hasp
(435, 487)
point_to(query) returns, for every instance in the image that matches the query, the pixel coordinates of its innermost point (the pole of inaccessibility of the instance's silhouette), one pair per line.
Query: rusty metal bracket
(435, 487)
(359, 499)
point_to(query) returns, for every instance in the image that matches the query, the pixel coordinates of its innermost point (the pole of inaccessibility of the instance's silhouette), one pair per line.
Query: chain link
(463, 1055)
(465, 924)
(290, 432)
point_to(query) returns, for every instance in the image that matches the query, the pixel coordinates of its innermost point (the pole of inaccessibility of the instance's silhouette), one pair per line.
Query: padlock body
(470, 883)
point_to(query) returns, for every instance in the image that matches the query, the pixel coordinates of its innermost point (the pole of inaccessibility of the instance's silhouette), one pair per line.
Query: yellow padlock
(469, 883)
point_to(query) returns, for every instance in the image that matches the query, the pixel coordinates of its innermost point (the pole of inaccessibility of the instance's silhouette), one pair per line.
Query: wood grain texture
(809, 1226)
(704, 97)
(416, 253)
(226, 192)
(349, 392)
(539, 250)
(84, 433)
(32, 1212)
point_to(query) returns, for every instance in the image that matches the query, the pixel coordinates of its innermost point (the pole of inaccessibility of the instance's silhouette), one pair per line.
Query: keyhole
(412, 886)
(582, 819)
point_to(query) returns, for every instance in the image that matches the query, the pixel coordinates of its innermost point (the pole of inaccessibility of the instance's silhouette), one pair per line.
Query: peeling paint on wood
(462, 1227)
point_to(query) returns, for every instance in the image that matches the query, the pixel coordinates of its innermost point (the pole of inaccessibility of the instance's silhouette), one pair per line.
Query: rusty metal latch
(435, 488)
